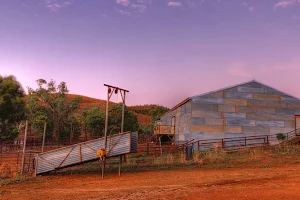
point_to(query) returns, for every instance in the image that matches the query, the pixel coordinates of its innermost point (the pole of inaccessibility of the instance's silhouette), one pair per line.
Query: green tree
(145, 129)
(12, 107)
(95, 121)
(115, 119)
(50, 101)
(157, 111)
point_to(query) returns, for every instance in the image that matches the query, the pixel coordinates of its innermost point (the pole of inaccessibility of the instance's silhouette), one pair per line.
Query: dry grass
(5, 171)
(256, 157)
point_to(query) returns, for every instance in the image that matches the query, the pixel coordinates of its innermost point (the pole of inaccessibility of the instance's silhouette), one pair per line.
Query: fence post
(24, 148)
(287, 136)
(198, 146)
(222, 144)
(267, 139)
(44, 136)
(245, 141)
(148, 149)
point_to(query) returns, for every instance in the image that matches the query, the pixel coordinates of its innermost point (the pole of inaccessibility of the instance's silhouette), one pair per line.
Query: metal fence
(13, 161)
(224, 144)
(228, 144)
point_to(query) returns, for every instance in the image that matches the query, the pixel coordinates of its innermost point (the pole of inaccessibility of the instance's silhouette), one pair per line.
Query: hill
(143, 112)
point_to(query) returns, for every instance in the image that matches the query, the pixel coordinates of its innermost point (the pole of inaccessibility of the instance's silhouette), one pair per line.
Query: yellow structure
(101, 153)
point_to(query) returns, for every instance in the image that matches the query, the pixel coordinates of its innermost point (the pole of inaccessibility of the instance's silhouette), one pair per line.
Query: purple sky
(161, 51)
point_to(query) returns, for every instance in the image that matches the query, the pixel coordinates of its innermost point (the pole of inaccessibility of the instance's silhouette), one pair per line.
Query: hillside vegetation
(144, 113)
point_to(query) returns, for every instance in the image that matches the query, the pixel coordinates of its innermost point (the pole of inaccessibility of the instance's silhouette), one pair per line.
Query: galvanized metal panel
(270, 117)
(235, 115)
(251, 89)
(256, 130)
(239, 122)
(257, 103)
(205, 107)
(275, 130)
(265, 97)
(226, 108)
(244, 109)
(289, 98)
(270, 123)
(283, 111)
(278, 104)
(208, 100)
(289, 124)
(198, 120)
(214, 121)
(270, 111)
(239, 95)
(117, 145)
(237, 102)
(198, 113)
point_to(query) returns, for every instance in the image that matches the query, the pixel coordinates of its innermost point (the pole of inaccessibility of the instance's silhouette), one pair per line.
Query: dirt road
(211, 184)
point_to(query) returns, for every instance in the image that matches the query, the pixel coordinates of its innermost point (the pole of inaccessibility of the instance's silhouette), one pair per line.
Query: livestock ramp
(119, 144)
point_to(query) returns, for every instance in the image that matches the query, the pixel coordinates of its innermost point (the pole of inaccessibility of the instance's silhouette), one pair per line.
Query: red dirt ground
(209, 184)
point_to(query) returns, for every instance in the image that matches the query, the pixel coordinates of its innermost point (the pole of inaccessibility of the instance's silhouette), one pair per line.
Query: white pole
(24, 148)
(105, 132)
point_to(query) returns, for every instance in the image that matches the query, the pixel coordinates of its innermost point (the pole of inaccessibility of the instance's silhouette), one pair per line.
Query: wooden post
(105, 132)
(160, 146)
(222, 144)
(148, 150)
(120, 165)
(245, 142)
(122, 128)
(24, 148)
(44, 136)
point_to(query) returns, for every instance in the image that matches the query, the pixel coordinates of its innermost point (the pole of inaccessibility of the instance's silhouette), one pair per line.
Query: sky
(162, 51)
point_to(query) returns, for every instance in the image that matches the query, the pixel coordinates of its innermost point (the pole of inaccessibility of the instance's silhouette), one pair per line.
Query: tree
(157, 111)
(95, 121)
(50, 100)
(12, 107)
(115, 119)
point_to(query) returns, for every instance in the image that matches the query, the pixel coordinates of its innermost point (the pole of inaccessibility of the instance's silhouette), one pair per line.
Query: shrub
(280, 136)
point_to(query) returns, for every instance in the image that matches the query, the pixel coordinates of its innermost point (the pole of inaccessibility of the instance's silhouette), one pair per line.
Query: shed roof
(226, 88)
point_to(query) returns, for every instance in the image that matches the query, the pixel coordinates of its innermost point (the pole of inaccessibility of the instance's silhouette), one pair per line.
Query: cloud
(243, 69)
(55, 5)
(239, 69)
(174, 4)
(287, 3)
(133, 6)
(139, 8)
(123, 12)
(123, 2)
(250, 8)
